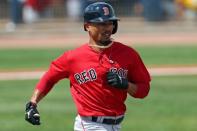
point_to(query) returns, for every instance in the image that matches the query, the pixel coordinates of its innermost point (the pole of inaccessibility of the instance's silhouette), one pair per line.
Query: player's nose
(108, 29)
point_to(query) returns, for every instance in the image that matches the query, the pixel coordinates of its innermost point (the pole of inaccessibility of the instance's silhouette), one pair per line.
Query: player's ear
(86, 26)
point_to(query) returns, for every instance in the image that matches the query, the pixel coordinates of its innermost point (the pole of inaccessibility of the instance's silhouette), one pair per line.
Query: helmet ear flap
(115, 24)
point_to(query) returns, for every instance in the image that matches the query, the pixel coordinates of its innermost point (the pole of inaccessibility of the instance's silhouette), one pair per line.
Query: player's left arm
(132, 88)
(138, 78)
(139, 90)
(137, 83)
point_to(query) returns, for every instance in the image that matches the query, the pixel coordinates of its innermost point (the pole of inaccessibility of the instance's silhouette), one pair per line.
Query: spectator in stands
(155, 10)
(73, 9)
(169, 9)
(138, 8)
(34, 9)
(187, 9)
(16, 7)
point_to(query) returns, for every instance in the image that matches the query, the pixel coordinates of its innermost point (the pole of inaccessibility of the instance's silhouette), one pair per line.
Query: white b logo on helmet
(106, 11)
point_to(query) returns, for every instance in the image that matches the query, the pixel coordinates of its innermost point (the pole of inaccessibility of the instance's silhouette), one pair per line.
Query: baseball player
(101, 72)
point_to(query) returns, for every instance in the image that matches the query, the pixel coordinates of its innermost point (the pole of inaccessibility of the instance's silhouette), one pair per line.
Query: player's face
(100, 32)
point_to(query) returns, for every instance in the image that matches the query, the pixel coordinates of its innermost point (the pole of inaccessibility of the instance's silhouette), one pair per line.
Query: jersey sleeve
(58, 70)
(139, 75)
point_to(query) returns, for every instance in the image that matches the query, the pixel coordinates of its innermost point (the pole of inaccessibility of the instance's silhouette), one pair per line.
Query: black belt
(109, 121)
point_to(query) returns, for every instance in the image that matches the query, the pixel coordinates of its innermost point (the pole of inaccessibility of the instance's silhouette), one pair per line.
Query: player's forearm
(139, 90)
(131, 88)
(42, 89)
(37, 96)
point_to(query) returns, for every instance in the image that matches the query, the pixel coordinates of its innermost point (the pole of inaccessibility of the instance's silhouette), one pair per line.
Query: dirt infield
(165, 71)
(59, 33)
(76, 40)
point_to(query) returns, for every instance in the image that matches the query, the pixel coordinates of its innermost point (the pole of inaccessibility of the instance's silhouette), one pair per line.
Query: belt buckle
(115, 121)
(110, 121)
(94, 118)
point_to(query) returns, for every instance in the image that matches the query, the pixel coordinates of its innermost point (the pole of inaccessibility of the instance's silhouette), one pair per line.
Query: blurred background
(59, 19)
(17, 13)
(65, 16)
(164, 32)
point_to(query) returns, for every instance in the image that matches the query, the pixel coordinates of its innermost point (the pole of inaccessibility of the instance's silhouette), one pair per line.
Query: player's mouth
(106, 35)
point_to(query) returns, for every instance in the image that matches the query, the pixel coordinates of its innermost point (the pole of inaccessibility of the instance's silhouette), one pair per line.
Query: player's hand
(31, 114)
(116, 81)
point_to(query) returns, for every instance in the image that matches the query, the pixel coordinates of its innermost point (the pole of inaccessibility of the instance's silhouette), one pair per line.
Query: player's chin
(105, 42)
(106, 39)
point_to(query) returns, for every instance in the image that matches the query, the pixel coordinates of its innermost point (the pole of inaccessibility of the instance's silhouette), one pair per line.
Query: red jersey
(86, 69)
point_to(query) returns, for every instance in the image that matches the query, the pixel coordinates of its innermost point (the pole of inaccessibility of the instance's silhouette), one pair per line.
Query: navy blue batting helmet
(100, 12)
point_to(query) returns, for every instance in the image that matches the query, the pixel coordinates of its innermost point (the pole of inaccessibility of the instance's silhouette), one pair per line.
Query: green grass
(57, 108)
(21, 59)
(169, 55)
(170, 106)
(27, 58)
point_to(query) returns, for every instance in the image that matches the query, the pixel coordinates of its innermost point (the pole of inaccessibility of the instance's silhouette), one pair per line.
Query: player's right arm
(32, 115)
(57, 71)
(37, 96)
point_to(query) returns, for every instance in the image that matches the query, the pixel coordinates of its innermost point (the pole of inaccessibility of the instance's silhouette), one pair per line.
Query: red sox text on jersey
(91, 75)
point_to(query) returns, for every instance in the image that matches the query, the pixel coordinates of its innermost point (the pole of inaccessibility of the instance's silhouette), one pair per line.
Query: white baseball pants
(82, 124)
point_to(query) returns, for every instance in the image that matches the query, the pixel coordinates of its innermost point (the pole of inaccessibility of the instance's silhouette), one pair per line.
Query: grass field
(171, 106)
(40, 58)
